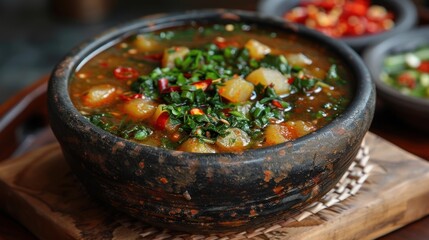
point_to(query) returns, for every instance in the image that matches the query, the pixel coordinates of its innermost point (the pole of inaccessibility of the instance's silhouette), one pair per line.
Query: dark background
(36, 34)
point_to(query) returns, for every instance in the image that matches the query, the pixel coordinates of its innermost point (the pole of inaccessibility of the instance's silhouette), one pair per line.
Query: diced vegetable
(196, 146)
(275, 134)
(235, 139)
(125, 73)
(298, 59)
(171, 54)
(236, 90)
(424, 67)
(408, 79)
(300, 128)
(100, 95)
(424, 80)
(266, 77)
(257, 50)
(146, 43)
(140, 108)
(412, 60)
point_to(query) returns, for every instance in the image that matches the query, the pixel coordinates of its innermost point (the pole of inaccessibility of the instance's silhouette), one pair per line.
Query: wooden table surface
(23, 127)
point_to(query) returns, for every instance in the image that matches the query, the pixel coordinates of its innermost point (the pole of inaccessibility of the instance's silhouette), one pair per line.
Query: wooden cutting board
(39, 190)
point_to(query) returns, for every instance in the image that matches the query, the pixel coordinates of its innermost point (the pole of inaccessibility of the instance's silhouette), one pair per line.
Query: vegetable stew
(214, 88)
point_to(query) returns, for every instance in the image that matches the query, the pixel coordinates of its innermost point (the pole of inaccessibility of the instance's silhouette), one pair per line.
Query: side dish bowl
(404, 11)
(410, 109)
(209, 192)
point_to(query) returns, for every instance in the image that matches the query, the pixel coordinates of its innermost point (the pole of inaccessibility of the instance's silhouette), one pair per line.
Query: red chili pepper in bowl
(161, 121)
(407, 80)
(203, 85)
(424, 67)
(162, 84)
(125, 73)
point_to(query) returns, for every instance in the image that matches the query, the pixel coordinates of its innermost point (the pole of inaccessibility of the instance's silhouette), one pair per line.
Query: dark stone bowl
(404, 10)
(209, 192)
(412, 110)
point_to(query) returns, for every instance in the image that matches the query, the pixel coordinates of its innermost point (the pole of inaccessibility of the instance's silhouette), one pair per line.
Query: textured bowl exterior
(208, 192)
(404, 10)
(412, 110)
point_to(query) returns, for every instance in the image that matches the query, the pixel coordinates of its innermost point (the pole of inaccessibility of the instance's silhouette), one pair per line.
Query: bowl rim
(407, 19)
(59, 80)
(374, 55)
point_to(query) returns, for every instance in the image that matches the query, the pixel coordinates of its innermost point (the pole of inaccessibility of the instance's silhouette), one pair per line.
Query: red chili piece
(277, 104)
(196, 111)
(162, 84)
(125, 73)
(226, 111)
(203, 85)
(187, 75)
(161, 121)
(171, 89)
(222, 43)
(407, 80)
(104, 64)
(424, 67)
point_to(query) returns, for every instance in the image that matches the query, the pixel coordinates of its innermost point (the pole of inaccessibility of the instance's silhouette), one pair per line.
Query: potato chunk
(300, 128)
(170, 55)
(298, 59)
(275, 134)
(278, 133)
(236, 90)
(100, 95)
(196, 146)
(266, 77)
(234, 140)
(140, 109)
(257, 50)
(147, 44)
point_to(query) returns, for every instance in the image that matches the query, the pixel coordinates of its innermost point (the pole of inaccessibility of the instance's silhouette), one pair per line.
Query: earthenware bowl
(412, 110)
(404, 11)
(209, 192)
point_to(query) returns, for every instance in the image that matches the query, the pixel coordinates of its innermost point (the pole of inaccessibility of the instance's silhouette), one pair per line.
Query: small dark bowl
(404, 11)
(412, 110)
(209, 192)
